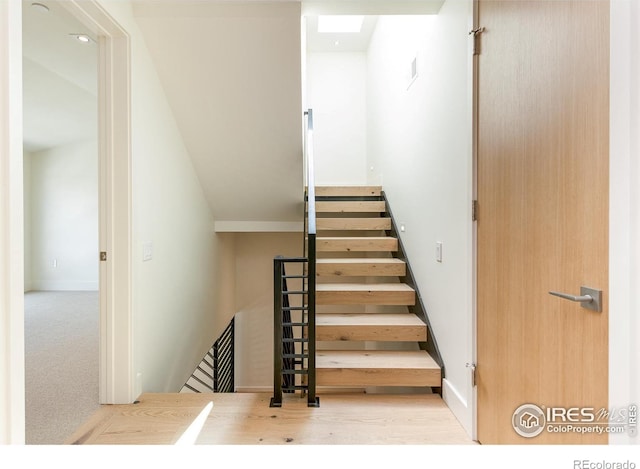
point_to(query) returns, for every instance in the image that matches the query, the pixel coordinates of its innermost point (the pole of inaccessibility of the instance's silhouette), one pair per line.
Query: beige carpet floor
(62, 359)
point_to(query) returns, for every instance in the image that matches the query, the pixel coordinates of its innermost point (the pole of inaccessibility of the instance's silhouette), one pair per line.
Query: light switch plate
(147, 252)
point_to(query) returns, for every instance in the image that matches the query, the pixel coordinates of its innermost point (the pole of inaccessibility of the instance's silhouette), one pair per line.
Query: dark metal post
(276, 400)
(216, 365)
(312, 400)
(233, 353)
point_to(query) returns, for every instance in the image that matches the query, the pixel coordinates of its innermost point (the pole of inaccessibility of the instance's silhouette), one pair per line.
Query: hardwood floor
(247, 419)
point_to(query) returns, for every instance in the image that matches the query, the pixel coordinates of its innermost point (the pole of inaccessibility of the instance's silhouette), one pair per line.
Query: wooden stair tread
(364, 293)
(396, 359)
(377, 327)
(350, 207)
(361, 260)
(368, 319)
(364, 287)
(356, 244)
(387, 267)
(340, 224)
(348, 191)
(376, 368)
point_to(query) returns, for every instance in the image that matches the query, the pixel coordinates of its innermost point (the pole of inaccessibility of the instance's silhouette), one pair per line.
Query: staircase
(368, 336)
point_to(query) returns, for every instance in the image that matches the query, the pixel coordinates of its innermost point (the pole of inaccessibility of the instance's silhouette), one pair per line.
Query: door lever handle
(589, 298)
(580, 299)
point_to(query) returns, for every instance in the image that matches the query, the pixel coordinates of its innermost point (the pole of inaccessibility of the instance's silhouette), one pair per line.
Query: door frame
(624, 208)
(116, 351)
(474, 247)
(115, 212)
(12, 388)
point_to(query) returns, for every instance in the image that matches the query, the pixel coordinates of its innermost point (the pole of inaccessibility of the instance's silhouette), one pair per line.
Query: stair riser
(358, 270)
(377, 377)
(350, 245)
(340, 224)
(365, 298)
(373, 333)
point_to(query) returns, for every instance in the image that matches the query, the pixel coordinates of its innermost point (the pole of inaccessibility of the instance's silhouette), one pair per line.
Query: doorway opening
(89, 24)
(61, 207)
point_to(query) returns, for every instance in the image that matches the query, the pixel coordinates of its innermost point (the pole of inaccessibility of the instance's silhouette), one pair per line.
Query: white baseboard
(47, 285)
(458, 405)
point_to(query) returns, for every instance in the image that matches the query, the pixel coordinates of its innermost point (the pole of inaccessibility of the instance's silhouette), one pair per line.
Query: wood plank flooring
(247, 419)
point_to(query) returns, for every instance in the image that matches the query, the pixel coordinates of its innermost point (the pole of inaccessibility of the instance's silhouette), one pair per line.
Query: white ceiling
(59, 78)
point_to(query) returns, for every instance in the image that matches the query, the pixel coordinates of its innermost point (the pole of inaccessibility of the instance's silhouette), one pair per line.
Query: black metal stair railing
(215, 372)
(294, 304)
(294, 331)
(224, 360)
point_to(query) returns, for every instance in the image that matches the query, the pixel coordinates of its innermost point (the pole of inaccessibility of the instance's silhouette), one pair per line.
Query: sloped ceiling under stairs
(231, 73)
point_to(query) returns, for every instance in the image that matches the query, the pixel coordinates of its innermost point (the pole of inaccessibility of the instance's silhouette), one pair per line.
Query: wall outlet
(439, 251)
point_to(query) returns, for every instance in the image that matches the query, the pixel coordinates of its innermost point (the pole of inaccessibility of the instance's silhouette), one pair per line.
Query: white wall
(231, 74)
(62, 214)
(26, 171)
(176, 294)
(337, 93)
(419, 141)
(254, 303)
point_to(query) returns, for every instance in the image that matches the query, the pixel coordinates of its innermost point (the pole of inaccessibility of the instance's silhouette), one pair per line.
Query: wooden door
(543, 161)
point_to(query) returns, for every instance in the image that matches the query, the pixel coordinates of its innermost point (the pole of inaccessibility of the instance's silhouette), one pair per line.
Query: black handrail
(311, 255)
(289, 362)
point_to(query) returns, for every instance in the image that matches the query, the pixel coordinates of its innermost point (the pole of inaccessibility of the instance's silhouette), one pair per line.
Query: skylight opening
(340, 23)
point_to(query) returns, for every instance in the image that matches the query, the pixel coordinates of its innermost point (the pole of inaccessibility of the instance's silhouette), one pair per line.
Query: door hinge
(103, 256)
(476, 39)
(474, 210)
(472, 368)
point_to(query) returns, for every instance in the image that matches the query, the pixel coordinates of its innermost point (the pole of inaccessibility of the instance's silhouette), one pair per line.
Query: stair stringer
(431, 345)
